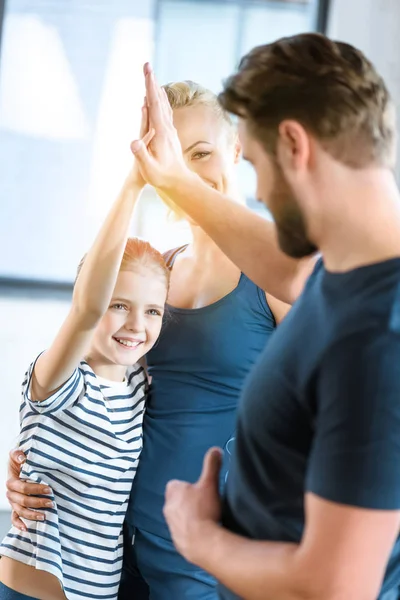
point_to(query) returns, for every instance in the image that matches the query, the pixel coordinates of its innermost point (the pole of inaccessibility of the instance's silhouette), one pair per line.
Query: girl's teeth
(126, 343)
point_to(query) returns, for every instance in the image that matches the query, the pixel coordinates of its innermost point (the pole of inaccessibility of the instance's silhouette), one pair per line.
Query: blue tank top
(198, 368)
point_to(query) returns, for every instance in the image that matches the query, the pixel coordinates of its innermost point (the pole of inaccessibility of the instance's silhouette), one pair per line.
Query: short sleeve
(66, 395)
(355, 458)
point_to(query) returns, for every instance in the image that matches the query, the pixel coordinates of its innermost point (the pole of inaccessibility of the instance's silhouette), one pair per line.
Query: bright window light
(38, 93)
(118, 120)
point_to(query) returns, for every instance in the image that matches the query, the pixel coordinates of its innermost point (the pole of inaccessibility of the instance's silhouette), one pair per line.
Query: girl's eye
(154, 312)
(119, 307)
(200, 155)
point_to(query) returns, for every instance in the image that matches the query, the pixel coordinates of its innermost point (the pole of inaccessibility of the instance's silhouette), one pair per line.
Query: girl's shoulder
(136, 375)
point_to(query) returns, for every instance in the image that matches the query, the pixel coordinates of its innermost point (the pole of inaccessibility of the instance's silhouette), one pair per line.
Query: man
(312, 506)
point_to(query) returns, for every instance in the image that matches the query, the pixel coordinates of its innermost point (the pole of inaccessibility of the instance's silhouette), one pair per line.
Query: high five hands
(159, 153)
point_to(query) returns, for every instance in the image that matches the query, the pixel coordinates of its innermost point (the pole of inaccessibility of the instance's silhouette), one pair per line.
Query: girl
(81, 418)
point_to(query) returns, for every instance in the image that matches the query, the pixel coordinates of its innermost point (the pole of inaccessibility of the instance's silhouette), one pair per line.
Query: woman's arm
(24, 497)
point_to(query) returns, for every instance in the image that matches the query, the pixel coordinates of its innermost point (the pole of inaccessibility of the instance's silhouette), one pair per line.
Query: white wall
(372, 26)
(27, 326)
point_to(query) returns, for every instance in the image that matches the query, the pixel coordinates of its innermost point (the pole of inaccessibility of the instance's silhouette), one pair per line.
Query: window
(70, 96)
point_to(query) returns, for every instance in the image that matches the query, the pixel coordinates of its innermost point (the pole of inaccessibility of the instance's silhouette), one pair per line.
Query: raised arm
(92, 293)
(246, 238)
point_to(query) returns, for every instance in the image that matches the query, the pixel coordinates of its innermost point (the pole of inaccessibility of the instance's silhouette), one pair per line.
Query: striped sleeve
(66, 395)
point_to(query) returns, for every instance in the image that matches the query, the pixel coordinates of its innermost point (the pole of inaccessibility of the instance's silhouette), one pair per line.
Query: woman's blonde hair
(182, 94)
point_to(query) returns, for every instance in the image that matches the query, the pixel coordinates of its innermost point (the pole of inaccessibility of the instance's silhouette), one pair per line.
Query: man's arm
(249, 240)
(246, 238)
(342, 556)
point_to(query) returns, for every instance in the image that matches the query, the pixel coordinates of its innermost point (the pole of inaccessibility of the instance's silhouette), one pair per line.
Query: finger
(26, 488)
(146, 139)
(144, 123)
(211, 468)
(166, 104)
(174, 491)
(26, 513)
(139, 149)
(174, 486)
(154, 106)
(16, 459)
(17, 456)
(29, 501)
(161, 100)
(152, 95)
(17, 522)
(147, 68)
(145, 161)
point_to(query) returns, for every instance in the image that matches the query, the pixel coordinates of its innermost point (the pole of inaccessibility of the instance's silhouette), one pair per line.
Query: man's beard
(289, 219)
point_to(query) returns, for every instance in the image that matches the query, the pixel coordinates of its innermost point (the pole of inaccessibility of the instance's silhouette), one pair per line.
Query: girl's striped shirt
(84, 441)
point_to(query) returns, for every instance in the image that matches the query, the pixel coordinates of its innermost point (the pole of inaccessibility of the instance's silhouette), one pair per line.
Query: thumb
(16, 458)
(211, 468)
(146, 139)
(140, 151)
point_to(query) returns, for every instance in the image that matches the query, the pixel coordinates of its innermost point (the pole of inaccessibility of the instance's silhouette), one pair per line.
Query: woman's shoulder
(256, 298)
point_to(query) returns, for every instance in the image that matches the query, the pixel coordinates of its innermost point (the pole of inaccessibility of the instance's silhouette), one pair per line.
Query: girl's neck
(108, 371)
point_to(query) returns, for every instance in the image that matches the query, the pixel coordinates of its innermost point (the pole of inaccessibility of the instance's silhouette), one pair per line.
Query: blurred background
(70, 95)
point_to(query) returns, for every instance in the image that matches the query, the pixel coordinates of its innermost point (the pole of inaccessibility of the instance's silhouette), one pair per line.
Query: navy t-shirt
(321, 411)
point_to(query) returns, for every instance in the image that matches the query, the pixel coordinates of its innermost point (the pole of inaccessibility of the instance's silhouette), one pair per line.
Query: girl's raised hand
(146, 135)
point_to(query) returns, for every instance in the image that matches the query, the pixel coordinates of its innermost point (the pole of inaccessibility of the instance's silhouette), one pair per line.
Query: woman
(217, 324)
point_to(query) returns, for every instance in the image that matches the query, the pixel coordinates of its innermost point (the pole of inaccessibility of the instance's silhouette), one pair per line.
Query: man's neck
(366, 226)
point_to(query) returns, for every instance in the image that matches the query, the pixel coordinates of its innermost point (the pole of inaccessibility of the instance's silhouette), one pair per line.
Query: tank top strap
(170, 255)
(256, 297)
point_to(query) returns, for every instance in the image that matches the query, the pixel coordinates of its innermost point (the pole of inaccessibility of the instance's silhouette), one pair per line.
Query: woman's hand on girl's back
(24, 497)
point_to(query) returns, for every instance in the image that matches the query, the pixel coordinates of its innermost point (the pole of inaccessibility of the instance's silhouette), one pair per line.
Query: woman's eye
(199, 155)
(154, 312)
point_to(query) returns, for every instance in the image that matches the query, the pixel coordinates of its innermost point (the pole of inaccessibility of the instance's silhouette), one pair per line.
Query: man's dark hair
(329, 87)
